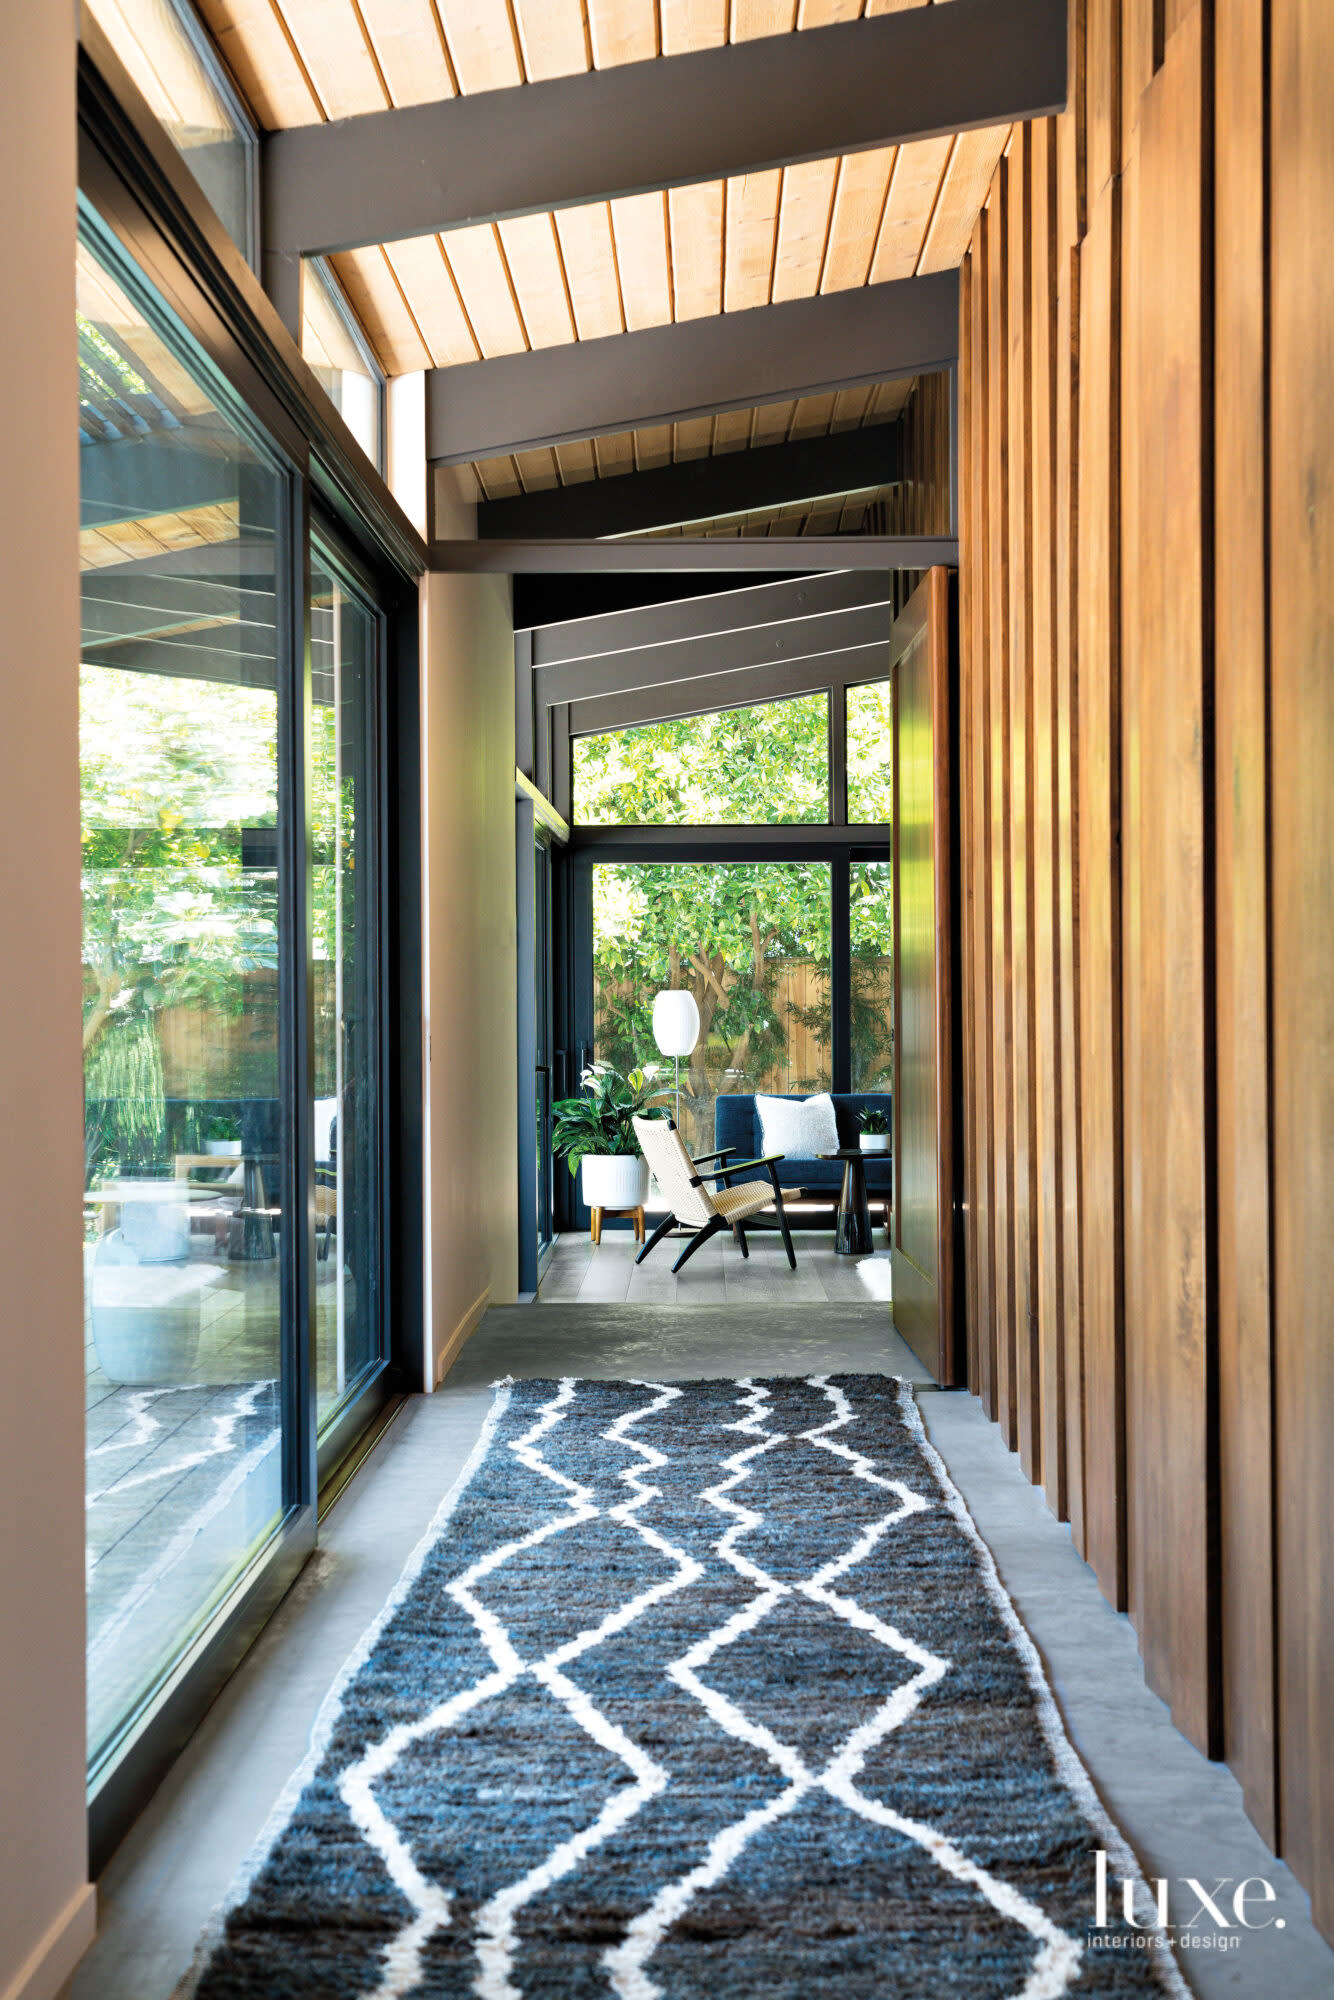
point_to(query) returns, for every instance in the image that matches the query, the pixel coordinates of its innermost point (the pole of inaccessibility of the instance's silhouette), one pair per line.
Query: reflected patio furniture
(692, 1202)
(146, 1296)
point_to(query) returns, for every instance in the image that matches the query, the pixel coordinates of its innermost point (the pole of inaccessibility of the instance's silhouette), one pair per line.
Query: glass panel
(763, 766)
(339, 358)
(871, 913)
(182, 1228)
(870, 750)
(348, 1322)
(164, 57)
(750, 940)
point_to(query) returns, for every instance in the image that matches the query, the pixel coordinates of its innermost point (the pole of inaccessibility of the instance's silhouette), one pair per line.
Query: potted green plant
(874, 1135)
(222, 1137)
(595, 1131)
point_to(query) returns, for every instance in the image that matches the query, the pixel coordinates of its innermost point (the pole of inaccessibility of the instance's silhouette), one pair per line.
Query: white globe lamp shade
(675, 1023)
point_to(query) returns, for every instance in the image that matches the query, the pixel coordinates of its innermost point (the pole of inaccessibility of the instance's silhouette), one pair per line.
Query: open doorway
(723, 773)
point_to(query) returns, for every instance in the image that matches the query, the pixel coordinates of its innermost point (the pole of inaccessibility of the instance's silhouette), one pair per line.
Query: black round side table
(852, 1230)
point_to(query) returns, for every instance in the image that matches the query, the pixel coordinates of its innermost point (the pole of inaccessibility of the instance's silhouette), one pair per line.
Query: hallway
(1182, 1814)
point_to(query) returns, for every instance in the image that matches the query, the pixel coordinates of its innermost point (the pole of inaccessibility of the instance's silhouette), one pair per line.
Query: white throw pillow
(800, 1127)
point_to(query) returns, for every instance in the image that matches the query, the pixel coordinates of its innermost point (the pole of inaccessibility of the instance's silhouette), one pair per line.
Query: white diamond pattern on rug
(763, 1587)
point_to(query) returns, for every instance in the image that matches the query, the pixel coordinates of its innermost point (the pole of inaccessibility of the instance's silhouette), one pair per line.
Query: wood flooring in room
(717, 1275)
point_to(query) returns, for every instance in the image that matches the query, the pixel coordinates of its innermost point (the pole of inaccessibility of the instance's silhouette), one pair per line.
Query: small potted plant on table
(595, 1132)
(874, 1136)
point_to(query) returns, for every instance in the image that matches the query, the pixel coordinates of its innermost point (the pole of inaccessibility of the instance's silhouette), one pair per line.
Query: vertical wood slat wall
(1147, 870)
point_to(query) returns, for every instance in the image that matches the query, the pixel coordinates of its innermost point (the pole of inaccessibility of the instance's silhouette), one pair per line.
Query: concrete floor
(1182, 1814)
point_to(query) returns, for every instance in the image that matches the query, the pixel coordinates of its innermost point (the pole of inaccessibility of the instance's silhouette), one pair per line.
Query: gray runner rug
(705, 1690)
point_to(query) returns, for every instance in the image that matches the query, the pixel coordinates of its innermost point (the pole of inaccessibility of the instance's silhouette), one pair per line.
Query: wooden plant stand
(601, 1215)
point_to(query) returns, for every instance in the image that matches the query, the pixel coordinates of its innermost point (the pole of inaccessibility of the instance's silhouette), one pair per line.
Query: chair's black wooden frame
(724, 1173)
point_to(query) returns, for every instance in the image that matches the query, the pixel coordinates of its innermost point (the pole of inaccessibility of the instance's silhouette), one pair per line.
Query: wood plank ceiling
(606, 267)
(665, 444)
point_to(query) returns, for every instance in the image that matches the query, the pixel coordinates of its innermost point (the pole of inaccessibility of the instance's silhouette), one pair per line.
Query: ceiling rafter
(667, 374)
(666, 123)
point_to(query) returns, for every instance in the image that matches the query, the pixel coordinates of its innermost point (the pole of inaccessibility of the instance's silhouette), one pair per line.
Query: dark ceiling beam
(702, 489)
(681, 552)
(738, 689)
(666, 374)
(662, 123)
(745, 651)
(714, 612)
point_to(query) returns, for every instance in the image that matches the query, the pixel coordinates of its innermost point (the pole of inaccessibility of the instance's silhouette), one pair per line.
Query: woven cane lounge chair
(694, 1203)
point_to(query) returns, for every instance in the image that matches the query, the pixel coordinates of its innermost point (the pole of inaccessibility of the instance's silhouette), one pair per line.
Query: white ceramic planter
(223, 1149)
(874, 1142)
(614, 1180)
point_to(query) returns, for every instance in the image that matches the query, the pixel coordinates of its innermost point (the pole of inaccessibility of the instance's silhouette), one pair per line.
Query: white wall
(46, 1907)
(469, 950)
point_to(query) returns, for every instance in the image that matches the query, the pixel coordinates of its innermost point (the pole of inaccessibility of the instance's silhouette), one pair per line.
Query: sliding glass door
(185, 732)
(346, 648)
(235, 966)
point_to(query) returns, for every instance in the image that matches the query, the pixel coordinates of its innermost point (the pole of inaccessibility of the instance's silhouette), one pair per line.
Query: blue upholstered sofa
(736, 1123)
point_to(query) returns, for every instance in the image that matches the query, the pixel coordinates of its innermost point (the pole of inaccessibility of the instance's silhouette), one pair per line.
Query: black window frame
(152, 216)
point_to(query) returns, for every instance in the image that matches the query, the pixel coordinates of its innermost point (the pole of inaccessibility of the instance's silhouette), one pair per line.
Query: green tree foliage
(170, 771)
(730, 932)
(762, 766)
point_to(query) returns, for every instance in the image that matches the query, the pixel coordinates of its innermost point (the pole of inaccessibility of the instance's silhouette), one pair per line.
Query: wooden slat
(410, 50)
(653, 446)
(375, 297)
(1001, 1121)
(1099, 893)
(859, 205)
(752, 229)
(850, 409)
(481, 44)
(1048, 1134)
(804, 216)
(692, 439)
(336, 56)
(1240, 805)
(1023, 1213)
(812, 417)
(576, 463)
(977, 529)
(731, 430)
(552, 41)
(1301, 375)
(1169, 1334)
(422, 275)
(590, 267)
(538, 276)
(622, 31)
(478, 267)
(772, 423)
(695, 218)
(499, 477)
(1102, 83)
(1067, 823)
(692, 24)
(752, 18)
(639, 230)
(972, 162)
(614, 454)
(537, 470)
(918, 170)
(261, 56)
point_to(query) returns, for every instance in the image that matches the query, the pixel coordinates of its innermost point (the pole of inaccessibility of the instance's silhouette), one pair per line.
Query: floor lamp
(676, 1030)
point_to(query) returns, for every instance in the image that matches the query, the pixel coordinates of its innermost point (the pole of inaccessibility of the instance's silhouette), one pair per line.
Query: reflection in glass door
(182, 740)
(349, 1335)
